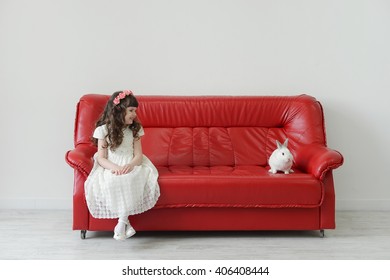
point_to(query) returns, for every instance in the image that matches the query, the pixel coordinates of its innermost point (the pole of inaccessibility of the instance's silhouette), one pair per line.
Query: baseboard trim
(63, 204)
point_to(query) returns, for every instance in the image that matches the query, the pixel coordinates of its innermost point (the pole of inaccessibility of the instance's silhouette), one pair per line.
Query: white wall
(52, 52)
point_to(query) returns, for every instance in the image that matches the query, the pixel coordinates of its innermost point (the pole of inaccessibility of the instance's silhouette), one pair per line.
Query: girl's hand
(127, 168)
(122, 169)
(117, 170)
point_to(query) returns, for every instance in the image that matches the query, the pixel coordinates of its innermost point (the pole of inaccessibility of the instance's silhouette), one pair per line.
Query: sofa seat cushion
(239, 186)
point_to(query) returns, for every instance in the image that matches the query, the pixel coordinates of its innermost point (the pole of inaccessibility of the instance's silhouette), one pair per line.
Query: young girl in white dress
(123, 181)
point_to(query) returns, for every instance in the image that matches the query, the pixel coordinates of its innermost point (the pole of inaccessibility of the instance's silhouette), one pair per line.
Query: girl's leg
(120, 230)
(123, 229)
(129, 232)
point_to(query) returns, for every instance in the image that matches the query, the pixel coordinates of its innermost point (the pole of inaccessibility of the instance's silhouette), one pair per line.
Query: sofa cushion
(240, 186)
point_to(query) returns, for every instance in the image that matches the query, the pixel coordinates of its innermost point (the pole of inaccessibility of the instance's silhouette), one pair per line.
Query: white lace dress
(112, 196)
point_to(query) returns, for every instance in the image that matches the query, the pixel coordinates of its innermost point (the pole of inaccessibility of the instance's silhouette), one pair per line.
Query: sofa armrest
(81, 158)
(317, 159)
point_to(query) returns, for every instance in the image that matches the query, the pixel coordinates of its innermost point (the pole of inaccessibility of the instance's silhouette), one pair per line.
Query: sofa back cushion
(214, 130)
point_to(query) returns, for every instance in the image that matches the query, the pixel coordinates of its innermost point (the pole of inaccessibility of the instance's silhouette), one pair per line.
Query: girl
(123, 181)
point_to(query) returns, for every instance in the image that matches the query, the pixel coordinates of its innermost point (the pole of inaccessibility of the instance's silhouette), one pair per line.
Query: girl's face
(130, 115)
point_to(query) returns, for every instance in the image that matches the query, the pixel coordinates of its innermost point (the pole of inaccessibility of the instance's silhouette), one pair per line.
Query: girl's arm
(102, 156)
(137, 160)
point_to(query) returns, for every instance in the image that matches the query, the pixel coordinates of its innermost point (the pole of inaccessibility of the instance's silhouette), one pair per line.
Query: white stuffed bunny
(281, 159)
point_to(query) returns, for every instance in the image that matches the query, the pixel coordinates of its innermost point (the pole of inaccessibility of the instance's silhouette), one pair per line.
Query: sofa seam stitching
(169, 148)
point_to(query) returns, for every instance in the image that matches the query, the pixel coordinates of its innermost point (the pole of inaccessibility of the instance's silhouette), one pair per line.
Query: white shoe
(130, 231)
(120, 231)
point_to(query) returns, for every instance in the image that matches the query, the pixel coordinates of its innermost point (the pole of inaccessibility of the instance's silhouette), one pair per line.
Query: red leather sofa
(211, 153)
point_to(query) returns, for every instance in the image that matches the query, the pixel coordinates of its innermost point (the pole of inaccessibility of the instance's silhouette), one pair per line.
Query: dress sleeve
(100, 132)
(141, 132)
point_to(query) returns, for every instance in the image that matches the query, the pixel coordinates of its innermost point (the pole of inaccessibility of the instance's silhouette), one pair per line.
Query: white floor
(45, 235)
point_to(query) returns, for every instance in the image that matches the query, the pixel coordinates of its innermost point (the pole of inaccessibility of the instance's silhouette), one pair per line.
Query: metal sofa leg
(322, 233)
(83, 234)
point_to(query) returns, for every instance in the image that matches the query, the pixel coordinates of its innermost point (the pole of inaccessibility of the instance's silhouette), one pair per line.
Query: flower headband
(122, 95)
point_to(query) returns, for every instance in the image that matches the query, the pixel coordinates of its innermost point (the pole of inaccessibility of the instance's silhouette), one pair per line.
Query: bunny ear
(278, 144)
(285, 142)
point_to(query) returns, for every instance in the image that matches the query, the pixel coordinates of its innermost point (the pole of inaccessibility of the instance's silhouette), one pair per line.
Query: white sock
(123, 219)
(121, 226)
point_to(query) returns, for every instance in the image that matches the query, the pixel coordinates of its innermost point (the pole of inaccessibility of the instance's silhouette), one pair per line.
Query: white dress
(112, 196)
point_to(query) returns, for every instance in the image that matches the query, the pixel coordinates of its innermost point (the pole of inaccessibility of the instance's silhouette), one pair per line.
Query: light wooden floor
(47, 234)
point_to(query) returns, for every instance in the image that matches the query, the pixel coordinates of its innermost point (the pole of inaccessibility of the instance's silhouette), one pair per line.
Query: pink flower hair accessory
(122, 95)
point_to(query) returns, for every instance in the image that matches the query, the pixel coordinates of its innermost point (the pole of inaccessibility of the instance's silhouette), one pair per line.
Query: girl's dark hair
(114, 117)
